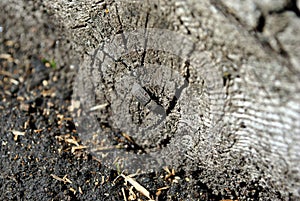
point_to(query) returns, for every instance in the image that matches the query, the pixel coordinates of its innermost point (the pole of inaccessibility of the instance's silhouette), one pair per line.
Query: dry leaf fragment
(73, 190)
(163, 188)
(99, 107)
(72, 141)
(124, 195)
(7, 57)
(24, 106)
(158, 191)
(78, 148)
(228, 200)
(17, 133)
(170, 173)
(80, 190)
(64, 179)
(132, 195)
(137, 186)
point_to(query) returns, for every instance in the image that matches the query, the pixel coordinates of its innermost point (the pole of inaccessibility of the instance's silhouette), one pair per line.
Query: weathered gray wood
(238, 118)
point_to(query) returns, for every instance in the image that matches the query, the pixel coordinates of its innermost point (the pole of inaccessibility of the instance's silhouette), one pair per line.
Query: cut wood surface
(227, 101)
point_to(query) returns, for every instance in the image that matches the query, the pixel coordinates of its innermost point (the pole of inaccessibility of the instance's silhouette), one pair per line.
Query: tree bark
(196, 84)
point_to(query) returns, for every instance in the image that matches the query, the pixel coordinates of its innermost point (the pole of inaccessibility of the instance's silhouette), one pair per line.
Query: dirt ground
(42, 157)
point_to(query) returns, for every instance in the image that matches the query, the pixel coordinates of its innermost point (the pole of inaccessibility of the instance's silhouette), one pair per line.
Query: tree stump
(212, 85)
